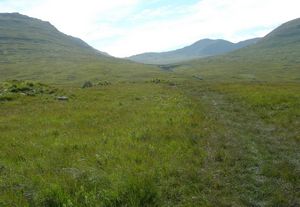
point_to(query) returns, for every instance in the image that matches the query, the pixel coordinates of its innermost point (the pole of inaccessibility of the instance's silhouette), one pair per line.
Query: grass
(271, 115)
(152, 144)
(252, 156)
(106, 146)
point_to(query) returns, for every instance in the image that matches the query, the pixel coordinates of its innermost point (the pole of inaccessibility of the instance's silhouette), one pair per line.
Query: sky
(127, 27)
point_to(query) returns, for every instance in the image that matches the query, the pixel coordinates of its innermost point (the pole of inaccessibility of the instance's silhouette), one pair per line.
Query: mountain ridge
(200, 49)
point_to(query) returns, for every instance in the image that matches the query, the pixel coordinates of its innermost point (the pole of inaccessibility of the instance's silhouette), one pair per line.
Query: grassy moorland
(220, 131)
(123, 144)
(182, 143)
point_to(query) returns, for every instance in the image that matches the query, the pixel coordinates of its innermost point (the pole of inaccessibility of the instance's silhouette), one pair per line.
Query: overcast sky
(127, 27)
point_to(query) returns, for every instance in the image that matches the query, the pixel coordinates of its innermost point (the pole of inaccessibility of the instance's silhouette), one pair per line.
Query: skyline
(129, 27)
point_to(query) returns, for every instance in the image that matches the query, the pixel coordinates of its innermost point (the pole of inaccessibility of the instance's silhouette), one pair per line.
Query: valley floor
(159, 143)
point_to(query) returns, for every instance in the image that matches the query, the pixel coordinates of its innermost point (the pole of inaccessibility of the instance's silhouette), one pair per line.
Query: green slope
(274, 57)
(36, 50)
(25, 37)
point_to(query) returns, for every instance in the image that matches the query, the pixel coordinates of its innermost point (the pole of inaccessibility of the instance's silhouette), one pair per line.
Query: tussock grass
(153, 144)
(120, 145)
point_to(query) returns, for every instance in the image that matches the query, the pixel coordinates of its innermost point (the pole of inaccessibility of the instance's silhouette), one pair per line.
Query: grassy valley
(219, 131)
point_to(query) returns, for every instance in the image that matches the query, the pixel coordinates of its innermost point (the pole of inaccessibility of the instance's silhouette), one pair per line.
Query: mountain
(275, 56)
(200, 49)
(22, 36)
(34, 49)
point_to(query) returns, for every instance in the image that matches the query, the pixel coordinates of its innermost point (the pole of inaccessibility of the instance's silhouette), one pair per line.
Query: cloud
(128, 27)
(233, 20)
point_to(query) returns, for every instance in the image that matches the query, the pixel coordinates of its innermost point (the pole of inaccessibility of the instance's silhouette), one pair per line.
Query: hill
(35, 50)
(22, 36)
(274, 57)
(202, 48)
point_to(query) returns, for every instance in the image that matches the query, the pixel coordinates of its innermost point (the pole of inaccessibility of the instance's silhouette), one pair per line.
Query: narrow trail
(241, 133)
(240, 150)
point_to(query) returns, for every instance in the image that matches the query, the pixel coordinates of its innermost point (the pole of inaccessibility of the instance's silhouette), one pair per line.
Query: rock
(62, 98)
(197, 77)
(87, 84)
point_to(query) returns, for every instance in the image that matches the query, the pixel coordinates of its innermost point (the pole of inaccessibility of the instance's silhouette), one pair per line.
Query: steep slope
(35, 49)
(22, 36)
(200, 49)
(274, 57)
